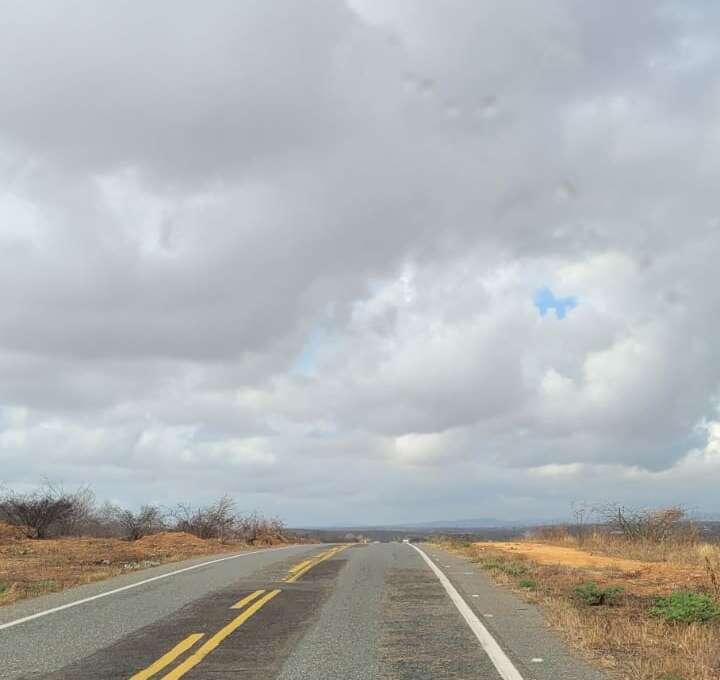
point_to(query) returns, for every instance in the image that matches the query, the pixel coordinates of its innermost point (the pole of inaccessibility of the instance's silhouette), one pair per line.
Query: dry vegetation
(51, 540)
(643, 608)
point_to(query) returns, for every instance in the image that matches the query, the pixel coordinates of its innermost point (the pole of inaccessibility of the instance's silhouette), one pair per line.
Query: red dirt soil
(35, 567)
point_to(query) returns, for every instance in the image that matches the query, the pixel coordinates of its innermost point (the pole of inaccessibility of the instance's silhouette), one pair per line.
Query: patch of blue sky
(545, 299)
(306, 362)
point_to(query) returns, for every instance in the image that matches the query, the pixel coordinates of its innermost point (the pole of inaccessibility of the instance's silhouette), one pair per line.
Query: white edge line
(76, 603)
(500, 660)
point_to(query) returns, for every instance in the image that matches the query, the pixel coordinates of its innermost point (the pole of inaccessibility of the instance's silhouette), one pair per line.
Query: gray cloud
(290, 250)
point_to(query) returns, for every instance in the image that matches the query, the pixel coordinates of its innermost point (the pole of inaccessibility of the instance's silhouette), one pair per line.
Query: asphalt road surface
(363, 612)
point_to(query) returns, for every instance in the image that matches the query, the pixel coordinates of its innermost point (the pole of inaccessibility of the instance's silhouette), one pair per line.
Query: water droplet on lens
(565, 191)
(410, 82)
(426, 87)
(488, 107)
(671, 297)
(452, 111)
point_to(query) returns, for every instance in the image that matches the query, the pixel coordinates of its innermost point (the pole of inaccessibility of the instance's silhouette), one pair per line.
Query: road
(363, 612)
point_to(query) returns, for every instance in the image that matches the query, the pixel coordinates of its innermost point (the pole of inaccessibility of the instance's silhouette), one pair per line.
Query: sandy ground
(30, 567)
(642, 578)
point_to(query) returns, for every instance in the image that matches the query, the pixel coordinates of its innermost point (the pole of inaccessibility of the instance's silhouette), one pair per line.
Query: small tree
(654, 525)
(217, 520)
(135, 525)
(39, 512)
(83, 516)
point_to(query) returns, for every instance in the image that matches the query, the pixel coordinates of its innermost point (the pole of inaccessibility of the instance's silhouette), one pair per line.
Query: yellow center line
(299, 566)
(168, 658)
(194, 659)
(248, 599)
(313, 563)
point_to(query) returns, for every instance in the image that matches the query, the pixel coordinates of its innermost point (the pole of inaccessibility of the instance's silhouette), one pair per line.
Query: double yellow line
(304, 567)
(255, 602)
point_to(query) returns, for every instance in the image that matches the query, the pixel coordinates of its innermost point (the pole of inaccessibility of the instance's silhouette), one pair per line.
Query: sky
(370, 261)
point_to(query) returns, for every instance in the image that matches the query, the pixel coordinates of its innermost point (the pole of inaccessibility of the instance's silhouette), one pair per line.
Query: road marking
(500, 660)
(313, 563)
(296, 572)
(194, 659)
(85, 600)
(247, 600)
(300, 565)
(168, 658)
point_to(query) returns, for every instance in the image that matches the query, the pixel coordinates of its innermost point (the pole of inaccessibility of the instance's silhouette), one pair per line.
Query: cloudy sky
(362, 261)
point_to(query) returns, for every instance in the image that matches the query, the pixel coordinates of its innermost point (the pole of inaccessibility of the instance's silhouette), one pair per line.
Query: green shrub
(3, 588)
(686, 607)
(593, 595)
(527, 583)
(671, 676)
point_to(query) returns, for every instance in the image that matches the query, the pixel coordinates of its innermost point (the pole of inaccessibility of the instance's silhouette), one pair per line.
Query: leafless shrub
(135, 525)
(217, 520)
(654, 525)
(254, 526)
(83, 515)
(37, 513)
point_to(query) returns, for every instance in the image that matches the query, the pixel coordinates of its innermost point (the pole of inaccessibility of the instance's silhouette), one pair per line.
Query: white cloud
(293, 253)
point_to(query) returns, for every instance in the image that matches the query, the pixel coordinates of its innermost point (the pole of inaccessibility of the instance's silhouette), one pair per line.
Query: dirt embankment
(34, 567)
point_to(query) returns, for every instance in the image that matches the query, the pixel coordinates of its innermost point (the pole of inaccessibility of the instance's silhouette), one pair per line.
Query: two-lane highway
(385, 611)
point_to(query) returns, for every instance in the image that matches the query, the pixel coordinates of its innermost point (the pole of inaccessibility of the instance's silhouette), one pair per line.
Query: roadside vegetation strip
(165, 660)
(195, 658)
(660, 616)
(130, 586)
(500, 660)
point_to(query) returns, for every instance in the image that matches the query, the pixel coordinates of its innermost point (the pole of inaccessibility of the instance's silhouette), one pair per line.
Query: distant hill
(456, 524)
(474, 523)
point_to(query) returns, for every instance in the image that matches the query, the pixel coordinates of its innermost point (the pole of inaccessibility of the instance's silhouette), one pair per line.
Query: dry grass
(35, 567)
(623, 638)
(685, 549)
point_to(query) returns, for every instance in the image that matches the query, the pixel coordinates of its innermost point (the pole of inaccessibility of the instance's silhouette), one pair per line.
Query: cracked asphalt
(361, 612)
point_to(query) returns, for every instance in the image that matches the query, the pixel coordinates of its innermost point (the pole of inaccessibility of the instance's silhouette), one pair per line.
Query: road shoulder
(519, 627)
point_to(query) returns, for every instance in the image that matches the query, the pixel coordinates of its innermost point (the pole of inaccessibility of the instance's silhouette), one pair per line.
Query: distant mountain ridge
(474, 523)
(457, 524)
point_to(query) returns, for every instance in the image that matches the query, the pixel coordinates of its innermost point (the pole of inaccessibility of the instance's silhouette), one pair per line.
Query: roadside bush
(686, 606)
(527, 584)
(593, 595)
(217, 520)
(254, 527)
(654, 525)
(146, 521)
(37, 513)
(83, 515)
